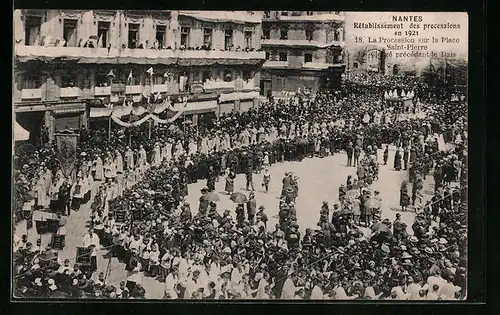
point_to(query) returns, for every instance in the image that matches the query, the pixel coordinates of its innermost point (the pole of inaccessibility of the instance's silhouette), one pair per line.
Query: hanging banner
(66, 152)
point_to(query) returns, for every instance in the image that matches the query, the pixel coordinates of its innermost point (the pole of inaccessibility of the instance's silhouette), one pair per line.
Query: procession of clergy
(118, 171)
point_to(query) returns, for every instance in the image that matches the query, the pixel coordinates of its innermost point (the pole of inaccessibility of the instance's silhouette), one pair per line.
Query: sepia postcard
(239, 155)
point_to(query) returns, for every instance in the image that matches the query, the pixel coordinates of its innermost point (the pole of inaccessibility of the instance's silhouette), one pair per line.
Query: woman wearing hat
(404, 199)
(229, 188)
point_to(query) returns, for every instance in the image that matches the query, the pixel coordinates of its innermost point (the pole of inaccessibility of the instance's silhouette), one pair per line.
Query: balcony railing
(31, 94)
(275, 64)
(69, 92)
(23, 51)
(300, 43)
(212, 85)
(133, 89)
(313, 18)
(160, 88)
(102, 90)
(248, 85)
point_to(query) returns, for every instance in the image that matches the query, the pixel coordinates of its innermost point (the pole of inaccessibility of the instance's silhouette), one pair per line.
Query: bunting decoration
(119, 111)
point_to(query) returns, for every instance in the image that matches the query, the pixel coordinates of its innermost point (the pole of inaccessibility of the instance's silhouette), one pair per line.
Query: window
(308, 57)
(228, 39)
(336, 35)
(248, 39)
(101, 79)
(309, 33)
(247, 75)
(32, 30)
(267, 14)
(309, 12)
(68, 80)
(205, 76)
(284, 13)
(227, 76)
(355, 65)
(268, 55)
(207, 37)
(69, 32)
(283, 56)
(32, 81)
(103, 34)
(160, 35)
(133, 36)
(185, 36)
(283, 33)
(266, 33)
(158, 79)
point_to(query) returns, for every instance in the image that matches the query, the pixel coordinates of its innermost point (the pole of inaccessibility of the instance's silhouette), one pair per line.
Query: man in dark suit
(349, 150)
(251, 207)
(249, 177)
(64, 199)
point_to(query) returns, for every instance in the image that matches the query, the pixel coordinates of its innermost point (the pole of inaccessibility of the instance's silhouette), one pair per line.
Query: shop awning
(198, 107)
(20, 134)
(238, 96)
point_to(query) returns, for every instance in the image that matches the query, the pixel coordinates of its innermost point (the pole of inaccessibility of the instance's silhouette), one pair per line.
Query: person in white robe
(261, 287)
(193, 284)
(253, 135)
(289, 289)
(48, 179)
(227, 138)
(210, 144)
(142, 160)
(118, 162)
(217, 142)
(109, 168)
(171, 282)
(204, 145)
(41, 191)
(245, 137)
(340, 293)
(168, 150)
(98, 165)
(179, 149)
(157, 155)
(192, 147)
(129, 158)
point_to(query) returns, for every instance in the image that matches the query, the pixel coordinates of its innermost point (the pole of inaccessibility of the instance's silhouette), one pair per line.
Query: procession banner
(66, 152)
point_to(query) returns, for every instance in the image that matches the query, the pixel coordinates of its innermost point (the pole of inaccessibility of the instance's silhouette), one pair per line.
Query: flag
(129, 78)
(99, 41)
(150, 71)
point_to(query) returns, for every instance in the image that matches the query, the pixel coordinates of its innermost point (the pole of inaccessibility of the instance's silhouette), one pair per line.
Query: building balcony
(214, 85)
(27, 52)
(299, 43)
(160, 88)
(69, 92)
(321, 65)
(248, 85)
(141, 56)
(133, 89)
(321, 17)
(275, 64)
(191, 54)
(102, 91)
(31, 94)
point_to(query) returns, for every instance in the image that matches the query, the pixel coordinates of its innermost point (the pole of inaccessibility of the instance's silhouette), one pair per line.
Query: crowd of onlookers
(206, 253)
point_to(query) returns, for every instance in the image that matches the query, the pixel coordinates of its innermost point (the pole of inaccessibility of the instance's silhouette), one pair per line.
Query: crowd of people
(140, 215)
